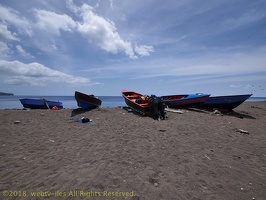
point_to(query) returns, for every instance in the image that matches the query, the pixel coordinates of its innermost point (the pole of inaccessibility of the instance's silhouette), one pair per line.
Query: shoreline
(194, 155)
(263, 101)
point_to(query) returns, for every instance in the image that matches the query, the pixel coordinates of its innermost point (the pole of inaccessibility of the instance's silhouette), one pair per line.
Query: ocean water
(12, 102)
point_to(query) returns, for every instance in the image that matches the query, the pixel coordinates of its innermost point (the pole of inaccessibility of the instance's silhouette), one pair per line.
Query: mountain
(6, 94)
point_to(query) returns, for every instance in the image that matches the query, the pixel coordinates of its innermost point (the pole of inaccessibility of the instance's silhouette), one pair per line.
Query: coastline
(194, 155)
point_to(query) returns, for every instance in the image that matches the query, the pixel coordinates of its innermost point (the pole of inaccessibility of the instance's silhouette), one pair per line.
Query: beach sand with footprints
(121, 155)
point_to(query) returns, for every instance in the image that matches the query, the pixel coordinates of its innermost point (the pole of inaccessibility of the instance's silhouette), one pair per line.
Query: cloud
(6, 34)
(112, 6)
(144, 50)
(53, 22)
(100, 31)
(244, 19)
(4, 50)
(235, 86)
(17, 72)
(13, 17)
(23, 52)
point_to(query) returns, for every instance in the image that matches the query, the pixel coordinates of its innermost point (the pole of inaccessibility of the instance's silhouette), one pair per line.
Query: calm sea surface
(12, 102)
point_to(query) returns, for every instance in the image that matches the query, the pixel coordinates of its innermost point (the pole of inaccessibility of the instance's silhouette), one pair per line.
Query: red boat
(137, 102)
(187, 100)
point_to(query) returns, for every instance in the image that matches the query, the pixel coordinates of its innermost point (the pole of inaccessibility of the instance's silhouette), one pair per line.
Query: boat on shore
(87, 101)
(40, 103)
(141, 105)
(228, 102)
(187, 100)
(145, 105)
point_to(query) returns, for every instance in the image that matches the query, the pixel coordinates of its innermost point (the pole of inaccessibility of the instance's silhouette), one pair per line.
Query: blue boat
(225, 102)
(40, 103)
(87, 101)
(186, 100)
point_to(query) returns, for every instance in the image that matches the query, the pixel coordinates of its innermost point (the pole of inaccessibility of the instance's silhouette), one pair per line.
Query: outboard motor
(161, 107)
(156, 107)
(153, 106)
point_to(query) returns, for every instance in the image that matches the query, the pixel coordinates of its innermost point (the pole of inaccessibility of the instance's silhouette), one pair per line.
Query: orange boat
(149, 106)
(137, 102)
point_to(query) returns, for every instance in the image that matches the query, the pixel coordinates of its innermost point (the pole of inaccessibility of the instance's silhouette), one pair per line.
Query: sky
(152, 47)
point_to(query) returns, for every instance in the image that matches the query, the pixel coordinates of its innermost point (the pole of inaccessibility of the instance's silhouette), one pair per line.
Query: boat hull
(225, 102)
(40, 103)
(130, 99)
(188, 100)
(87, 101)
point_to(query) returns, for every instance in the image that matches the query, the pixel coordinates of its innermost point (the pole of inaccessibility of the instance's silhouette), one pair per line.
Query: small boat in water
(225, 102)
(40, 103)
(87, 101)
(187, 100)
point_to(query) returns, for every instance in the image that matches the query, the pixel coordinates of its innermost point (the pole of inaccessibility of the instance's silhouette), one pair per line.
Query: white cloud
(6, 34)
(23, 52)
(53, 22)
(112, 6)
(235, 86)
(101, 31)
(144, 50)
(14, 18)
(4, 50)
(17, 72)
(244, 19)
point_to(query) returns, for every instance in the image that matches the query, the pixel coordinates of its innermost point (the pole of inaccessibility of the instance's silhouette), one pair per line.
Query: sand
(121, 155)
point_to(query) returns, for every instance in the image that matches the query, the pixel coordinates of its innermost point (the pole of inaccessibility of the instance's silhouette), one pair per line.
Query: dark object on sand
(187, 100)
(40, 103)
(145, 105)
(87, 101)
(225, 102)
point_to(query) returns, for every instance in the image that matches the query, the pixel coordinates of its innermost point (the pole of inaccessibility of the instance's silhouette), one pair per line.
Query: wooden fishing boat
(40, 103)
(146, 105)
(228, 102)
(187, 100)
(87, 101)
(137, 102)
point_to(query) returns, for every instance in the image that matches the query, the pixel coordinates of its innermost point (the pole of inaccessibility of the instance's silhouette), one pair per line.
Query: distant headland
(6, 94)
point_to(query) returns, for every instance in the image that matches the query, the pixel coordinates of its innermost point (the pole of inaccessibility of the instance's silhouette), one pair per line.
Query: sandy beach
(121, 155)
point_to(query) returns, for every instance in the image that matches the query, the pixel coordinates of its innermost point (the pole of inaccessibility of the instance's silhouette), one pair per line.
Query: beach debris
(17, 122)
(42, 114)
(154, 180)
(83, 120)
(242, 188)
(241, 130)
(47, 105)
(156, 184)
(128, 109)
(207, 157)
(51, 140)
(216, 112)
(174, 110)
(55, 108)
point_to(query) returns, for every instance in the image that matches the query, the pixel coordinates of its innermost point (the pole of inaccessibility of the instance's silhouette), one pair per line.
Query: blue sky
(152, 47)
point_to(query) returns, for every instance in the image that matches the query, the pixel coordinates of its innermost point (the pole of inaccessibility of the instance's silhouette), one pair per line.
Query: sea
(12, 102)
